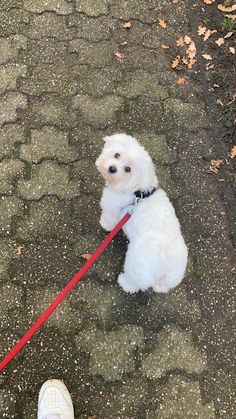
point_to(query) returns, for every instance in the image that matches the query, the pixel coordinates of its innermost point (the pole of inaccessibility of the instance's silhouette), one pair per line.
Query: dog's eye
(127, 169)
(117, 155)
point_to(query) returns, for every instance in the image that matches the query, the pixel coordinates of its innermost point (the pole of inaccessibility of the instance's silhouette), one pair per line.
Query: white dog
(157, 254)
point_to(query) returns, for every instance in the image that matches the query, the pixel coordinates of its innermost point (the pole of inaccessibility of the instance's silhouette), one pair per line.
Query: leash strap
(44, 316)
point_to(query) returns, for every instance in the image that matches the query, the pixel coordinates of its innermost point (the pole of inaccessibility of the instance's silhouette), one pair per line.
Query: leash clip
(138, 198)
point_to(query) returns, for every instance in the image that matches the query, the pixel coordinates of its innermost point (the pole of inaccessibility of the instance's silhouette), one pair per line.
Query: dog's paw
(127, 287)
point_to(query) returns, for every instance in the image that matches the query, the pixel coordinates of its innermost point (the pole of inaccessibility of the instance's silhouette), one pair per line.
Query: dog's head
(126, 165)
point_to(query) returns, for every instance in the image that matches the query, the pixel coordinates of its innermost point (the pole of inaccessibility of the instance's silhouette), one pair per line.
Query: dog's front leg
(107, 220)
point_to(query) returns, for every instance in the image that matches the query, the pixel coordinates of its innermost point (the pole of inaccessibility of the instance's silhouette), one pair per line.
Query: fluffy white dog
(157, 254)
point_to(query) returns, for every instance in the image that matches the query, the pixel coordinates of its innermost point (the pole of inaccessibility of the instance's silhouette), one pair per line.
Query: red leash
(44, 316)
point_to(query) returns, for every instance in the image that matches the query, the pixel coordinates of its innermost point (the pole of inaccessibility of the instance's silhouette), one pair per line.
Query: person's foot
(55, 401)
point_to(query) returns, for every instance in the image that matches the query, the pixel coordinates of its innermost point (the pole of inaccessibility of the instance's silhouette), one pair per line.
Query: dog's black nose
(112, 169)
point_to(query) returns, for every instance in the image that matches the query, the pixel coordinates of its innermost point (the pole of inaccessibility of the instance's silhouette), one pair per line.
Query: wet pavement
(62, 89)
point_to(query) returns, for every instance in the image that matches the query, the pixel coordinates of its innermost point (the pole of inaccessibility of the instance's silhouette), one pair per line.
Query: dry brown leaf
(208, 1)
(175, 1)
(219, 102)
(214, 166)
(233, 17)
(191, 63)
(175, 62)
(192, 47)
(232, 50)
(201, 30)
(220, 41)
(162, 23)
(127, 25)
(232, 153)
(120, 57)
(181, 81)
(163, 46)
(207, 56)
(187, 39)
(86, 256)
(228, 35)
(180, 42)
(226, 9)
(185, 60)
(208, 33)
(20, 250)
(209, 66)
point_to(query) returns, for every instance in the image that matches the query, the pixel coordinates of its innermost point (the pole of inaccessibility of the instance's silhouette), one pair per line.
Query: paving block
(9, 206)
(9, 105)
(111, 353)
(10, 136)
(10, 170)
(9, 74)
(48, 178)
(61, 7)
(174, 351)
(48, 142)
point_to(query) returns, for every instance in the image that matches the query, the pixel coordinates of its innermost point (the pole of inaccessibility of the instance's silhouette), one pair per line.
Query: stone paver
(48, 178)
(181, 398)
(10, 47)
(9, 74)
(173, 351)
(140, 356)
(62, 7)
(10, 136)
(48, 143)
(9, 206)
(112, 353)
(9, 106)
(99, 112)
(10, 170)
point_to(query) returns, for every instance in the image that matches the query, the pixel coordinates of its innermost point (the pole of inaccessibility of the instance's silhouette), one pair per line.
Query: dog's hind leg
(127, 284)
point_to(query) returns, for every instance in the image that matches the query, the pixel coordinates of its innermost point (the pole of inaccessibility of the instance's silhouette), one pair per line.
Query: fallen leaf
(181, 81)
(207, 56)
(214, 166)
(175, 62)
(86, 256)
(232, 50)
(187, 39)
(185, 60)
(120, 57)
(127, 25)
(180, 42)
(228, 35)
(20, 250)
(163, 46)
(208, 1)
(191, 50)
(233, 17)
(208, 33)
(201, 30)
(209, 66)
(191, 63)
(220, 41)
(219, 102)
(162, 23)
(175, 1)
(227, 9)
(232, 152)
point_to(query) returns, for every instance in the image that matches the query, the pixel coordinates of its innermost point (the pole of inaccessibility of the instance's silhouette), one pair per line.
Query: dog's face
(125, 165)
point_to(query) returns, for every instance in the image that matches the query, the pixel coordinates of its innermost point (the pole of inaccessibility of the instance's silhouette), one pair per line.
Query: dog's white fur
(157, 254)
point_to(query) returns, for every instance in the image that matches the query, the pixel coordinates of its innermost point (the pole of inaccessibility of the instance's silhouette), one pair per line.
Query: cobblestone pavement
(62, 89)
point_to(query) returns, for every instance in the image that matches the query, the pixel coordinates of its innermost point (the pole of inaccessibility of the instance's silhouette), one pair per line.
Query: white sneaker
(55, 401)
